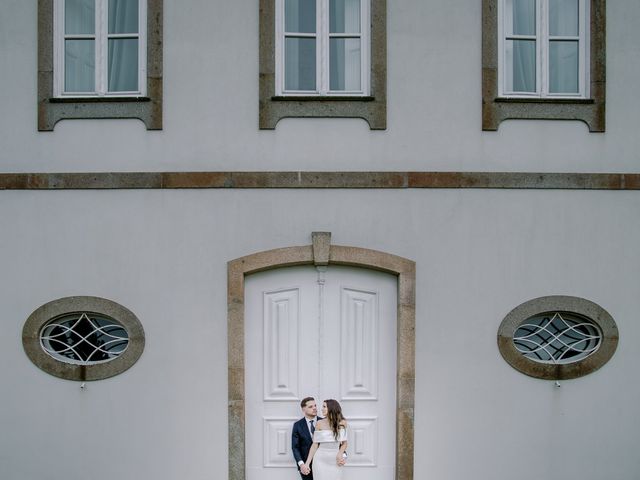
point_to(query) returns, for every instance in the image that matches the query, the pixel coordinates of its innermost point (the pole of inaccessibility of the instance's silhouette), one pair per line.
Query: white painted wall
(211, 103)
(163, 254)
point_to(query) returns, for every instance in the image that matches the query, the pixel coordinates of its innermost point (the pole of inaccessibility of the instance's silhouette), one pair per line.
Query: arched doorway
(322, 254)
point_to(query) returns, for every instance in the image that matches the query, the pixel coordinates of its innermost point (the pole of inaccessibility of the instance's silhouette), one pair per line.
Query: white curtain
(563, 67)
(563, 17)
(521, 53)
(79, 17)
(300, 52)
(123, 52)
(300, 64)
(344, 70)
(563, 54)
(344, 53)
(79, 66)
(300, 16)
(79, 54)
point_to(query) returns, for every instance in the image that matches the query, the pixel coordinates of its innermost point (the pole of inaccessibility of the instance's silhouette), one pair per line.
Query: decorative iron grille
(557, 337)
(84, 338)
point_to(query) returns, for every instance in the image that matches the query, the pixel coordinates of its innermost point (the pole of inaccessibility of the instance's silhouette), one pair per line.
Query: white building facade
(359, 200)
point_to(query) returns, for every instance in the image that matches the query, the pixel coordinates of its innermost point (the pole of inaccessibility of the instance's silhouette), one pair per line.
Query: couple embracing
(319, 443)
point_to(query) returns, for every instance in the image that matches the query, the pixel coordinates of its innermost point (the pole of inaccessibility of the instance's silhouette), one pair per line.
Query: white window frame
(542, 39)
(322, 37)
(102, 37)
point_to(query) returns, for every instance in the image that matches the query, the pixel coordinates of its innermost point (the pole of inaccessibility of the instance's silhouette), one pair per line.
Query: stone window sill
(109, 99)
(323, 98)
(550, 101)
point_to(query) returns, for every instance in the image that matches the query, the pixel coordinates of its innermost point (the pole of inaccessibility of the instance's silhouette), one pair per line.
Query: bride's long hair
(334, 415)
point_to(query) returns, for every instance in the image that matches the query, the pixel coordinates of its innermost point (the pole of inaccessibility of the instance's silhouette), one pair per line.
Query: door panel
(359, 346)
(281, 319)
(326, 333)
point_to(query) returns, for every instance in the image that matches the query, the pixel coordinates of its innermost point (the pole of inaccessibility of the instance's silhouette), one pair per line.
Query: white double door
(326, 333)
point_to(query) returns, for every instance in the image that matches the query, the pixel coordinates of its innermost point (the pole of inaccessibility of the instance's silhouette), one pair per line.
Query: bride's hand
(340, 460)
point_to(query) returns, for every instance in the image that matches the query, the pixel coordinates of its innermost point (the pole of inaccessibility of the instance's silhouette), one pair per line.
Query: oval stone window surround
(557, 337)
(83, 338)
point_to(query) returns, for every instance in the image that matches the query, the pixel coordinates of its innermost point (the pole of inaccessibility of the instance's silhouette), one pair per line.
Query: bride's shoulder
(343, 423)
(323, 424)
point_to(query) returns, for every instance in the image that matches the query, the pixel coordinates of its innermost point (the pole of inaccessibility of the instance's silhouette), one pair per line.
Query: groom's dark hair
(304, 401)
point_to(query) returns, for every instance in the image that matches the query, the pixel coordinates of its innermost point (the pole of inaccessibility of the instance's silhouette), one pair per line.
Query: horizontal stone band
(172, 180)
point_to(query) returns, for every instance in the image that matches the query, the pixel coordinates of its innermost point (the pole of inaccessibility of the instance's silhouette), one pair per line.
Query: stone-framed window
(104, 98)
(501, 100)
(83, 338)
(557, 337)
(369, 103)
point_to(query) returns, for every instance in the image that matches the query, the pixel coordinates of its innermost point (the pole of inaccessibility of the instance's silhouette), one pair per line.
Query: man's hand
(304, 469)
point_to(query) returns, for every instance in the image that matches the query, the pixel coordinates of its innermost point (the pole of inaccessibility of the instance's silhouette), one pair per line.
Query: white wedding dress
(324, 460)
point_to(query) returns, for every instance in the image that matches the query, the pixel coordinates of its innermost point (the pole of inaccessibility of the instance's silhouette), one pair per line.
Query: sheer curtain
(79, 53)
(521, 18)
(345, 53)
(563, 54)
(300, 52)
(123, 48)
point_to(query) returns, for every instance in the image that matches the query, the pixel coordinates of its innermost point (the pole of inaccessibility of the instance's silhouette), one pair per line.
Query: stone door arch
(322, 253)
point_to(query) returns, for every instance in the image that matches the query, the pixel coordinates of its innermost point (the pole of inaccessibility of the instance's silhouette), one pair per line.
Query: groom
(302, 434)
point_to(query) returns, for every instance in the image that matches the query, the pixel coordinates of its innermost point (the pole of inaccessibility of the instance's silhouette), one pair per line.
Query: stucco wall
(163, 255)
(211, 103)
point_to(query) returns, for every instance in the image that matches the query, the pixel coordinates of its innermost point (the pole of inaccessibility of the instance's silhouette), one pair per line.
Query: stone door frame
(322, 253)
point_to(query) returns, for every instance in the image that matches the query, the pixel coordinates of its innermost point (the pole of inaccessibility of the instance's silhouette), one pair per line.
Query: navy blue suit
(301, 442)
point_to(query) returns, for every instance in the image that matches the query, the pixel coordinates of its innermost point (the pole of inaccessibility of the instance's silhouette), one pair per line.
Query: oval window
(83, 338)
(557, 337)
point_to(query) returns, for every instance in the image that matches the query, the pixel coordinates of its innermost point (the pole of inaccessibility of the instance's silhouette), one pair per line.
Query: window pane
(344, 69)
(123, 65)
(79, 17)
(300, 16)
(344, 16)
(520, 56)
(520, 17)
(563, 17)
(300, 64)
(563, 67)
(123, 16)
(79, 66)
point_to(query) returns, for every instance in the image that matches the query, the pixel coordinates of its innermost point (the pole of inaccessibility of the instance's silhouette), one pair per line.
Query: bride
(329, 443)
